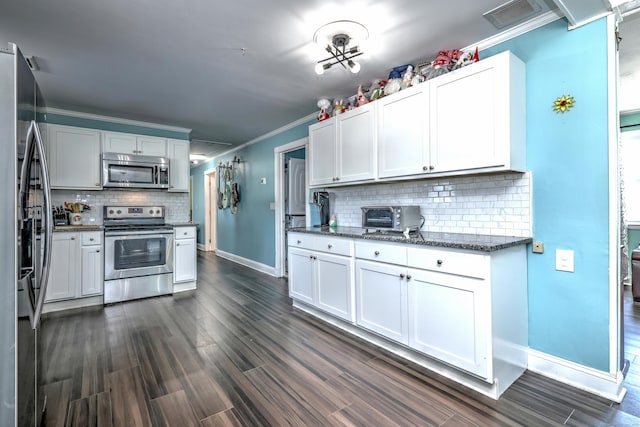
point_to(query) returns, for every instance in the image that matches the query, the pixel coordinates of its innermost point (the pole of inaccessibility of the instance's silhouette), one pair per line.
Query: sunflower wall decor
(563, 103)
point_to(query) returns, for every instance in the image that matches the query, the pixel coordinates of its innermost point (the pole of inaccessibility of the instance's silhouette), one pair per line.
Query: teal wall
(568, 155)
(59, 119)
(251, 232)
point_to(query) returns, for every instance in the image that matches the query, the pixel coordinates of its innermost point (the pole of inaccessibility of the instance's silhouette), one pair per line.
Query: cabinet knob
(402, 275)
(329, 246)
(73, 238)
(310, 256)
(299, 241)
(408, 277)
(439, 262)
(376, 253)
(337, 178)
(185, 233)
(91, 239)
(431, 167)
(98, 251)
(177, 244)
(425, 168)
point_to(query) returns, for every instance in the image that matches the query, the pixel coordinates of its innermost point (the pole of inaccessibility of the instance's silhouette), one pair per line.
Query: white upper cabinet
(403, 133)
(73, 156)
(178, 153)
(116, 142)
(478, 117)
(343, 148)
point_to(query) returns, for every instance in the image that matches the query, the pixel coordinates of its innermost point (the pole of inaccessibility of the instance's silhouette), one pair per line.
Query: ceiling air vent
(517, 11)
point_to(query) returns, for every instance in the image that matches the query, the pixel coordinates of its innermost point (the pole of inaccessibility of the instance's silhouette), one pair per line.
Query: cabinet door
(74, 158)
(114, 142)
(450, 320)
(403, 133)
(178, 153)
(151, 146)
(356, 145)
(322, 152)
(381, 299)
(301, 275)
(184, 266)
(63, 276)
(470, 117)
(334, 278)
(91, 278)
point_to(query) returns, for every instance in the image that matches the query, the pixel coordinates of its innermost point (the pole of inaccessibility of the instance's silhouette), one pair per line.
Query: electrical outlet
(538, 247)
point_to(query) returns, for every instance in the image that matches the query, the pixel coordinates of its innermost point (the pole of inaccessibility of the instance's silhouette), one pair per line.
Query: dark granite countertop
(78, 228)
(183, 224)
(474, 242)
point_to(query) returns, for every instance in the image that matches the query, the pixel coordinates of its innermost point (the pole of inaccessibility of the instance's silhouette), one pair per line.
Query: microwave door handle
(156, 177)
(47, 225)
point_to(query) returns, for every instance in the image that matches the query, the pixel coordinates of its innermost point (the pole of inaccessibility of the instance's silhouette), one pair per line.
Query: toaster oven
(391, 218)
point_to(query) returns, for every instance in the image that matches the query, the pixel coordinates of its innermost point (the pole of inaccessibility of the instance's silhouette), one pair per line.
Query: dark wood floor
(235, 353)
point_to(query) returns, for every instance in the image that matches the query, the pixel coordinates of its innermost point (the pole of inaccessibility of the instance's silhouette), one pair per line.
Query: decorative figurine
(361, 98)
(325, 109)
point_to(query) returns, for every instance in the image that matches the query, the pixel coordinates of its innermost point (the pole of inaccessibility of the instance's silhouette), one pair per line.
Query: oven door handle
(149, 233)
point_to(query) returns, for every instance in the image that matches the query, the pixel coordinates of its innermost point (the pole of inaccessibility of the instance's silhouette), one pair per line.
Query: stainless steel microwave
(133, 171)
(391, 218)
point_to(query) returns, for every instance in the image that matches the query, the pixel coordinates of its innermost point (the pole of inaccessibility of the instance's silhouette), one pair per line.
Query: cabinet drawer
(334, 245)
(300, 240)
(382, 252)
(451, 262)
(91, 238)
(185, 233)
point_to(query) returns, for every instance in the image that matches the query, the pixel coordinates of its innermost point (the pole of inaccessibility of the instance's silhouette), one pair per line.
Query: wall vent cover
(516, 12)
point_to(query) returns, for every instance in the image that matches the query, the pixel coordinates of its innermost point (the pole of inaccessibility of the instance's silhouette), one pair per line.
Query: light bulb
(354, 67)
(319, 69)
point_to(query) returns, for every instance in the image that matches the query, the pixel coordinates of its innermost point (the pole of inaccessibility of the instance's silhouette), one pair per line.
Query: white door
(301, 275)
(296, 190)
(114, 142)
(381, 299)
(334, 276)
(91, 279)
(178, 153)
(74, 158)
(184, 268)
(64, 267)
(151, 146)
(356, 145)
(322, 152)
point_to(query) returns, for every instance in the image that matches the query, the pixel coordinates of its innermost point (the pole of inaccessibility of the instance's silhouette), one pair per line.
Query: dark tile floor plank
(235, 352)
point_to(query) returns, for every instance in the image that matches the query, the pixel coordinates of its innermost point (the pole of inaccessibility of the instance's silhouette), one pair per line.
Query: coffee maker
(321, 199)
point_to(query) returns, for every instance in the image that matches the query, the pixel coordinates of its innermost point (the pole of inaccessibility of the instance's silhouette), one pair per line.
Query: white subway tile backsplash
(176, 204)
(497, 204)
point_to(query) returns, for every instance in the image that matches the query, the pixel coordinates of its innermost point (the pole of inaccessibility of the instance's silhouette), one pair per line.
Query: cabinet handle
(408, 277)
(402, 275)
(439, 262)
(329, 246)
(376, 253)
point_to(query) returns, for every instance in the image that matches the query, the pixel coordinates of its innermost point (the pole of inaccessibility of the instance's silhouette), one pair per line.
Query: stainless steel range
(138, 259)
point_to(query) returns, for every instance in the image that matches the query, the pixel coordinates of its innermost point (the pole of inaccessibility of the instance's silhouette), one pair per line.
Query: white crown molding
(270, 134)
(518, 30)
(118, 120)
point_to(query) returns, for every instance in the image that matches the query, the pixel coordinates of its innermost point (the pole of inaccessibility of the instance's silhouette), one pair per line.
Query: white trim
(118, 120)
(182, 287)
(263, 268)
(201, 247)
(616, 350)
(270, 134)
(208, 208)
(518, 30)
(597, 382)
(278, 173)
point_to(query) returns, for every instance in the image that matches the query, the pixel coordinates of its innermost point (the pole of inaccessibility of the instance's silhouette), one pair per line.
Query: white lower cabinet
(77, 267)
(321, 273)
(456, 310)
(184, 255)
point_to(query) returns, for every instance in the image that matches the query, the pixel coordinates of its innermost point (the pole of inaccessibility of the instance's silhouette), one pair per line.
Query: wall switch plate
(263, 181)
(564, 260)
(538, 247)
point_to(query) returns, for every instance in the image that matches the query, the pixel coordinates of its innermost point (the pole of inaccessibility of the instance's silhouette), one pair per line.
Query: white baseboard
(263, 268)
(597, 382)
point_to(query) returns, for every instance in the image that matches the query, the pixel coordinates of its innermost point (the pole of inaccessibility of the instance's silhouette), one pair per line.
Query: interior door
(296, 191)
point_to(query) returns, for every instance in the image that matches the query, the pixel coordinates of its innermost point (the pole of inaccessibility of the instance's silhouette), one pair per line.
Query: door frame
(210, 210)
(279, 183)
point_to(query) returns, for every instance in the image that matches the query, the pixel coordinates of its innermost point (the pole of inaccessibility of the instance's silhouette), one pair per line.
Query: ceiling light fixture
(341, 40)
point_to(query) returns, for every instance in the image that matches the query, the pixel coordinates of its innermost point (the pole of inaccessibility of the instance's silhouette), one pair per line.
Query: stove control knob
(158, 212)
(118, 211)
(151, 212)
(110, 211)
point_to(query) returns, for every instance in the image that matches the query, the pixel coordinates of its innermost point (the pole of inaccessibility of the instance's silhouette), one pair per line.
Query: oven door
(378, 217)
(137, 253)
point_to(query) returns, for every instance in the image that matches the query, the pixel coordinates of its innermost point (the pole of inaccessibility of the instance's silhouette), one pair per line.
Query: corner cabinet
(178, 153)
(343, 148)
(184, 258)
(73, 156)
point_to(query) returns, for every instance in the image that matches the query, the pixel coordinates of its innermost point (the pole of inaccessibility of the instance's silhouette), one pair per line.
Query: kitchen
(547, 310)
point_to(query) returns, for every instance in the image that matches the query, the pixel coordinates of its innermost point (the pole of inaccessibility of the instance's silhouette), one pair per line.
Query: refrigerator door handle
(34, 146)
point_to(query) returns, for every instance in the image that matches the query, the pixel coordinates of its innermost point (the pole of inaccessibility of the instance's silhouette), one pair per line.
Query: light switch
(564, 260)
(263, 181)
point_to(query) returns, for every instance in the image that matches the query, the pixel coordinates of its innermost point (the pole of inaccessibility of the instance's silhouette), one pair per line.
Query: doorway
(288, 211)
(210, 210)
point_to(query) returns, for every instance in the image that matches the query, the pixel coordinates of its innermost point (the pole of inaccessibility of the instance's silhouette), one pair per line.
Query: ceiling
(230, 71)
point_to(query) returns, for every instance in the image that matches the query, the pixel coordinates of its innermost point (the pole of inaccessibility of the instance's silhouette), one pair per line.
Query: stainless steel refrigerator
(25, 240)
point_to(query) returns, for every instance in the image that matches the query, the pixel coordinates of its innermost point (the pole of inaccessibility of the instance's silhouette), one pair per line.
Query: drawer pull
(439, 262)
(376, 253)
(329, 246)
(402, 275)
